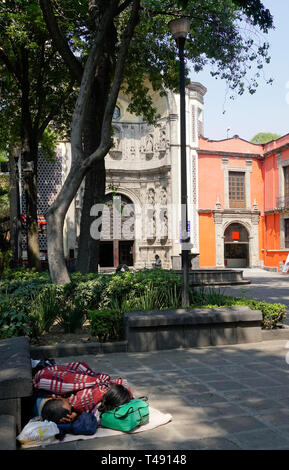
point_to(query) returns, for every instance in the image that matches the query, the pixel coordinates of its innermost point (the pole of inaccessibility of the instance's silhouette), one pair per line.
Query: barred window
(237, 189)
(286, 185)
(286, 221)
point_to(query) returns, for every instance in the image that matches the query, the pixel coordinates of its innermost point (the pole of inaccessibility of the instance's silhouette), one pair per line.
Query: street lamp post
(179, 29)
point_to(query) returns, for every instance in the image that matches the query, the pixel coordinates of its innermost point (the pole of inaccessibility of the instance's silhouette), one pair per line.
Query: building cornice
(229, 154)
(276, 150)
(139, 172)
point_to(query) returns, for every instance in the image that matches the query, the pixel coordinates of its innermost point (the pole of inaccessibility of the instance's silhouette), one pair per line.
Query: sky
(265, 111)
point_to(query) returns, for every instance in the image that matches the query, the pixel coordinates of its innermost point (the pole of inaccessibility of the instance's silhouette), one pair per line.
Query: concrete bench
(7, 432)
(15, 377)
(169, 329)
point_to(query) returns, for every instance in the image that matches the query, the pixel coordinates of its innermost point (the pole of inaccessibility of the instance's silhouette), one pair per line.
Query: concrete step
(7, 432)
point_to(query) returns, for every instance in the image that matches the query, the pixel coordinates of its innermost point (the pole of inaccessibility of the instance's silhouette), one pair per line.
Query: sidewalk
(265, 285)
(229, 397)
(221, 398)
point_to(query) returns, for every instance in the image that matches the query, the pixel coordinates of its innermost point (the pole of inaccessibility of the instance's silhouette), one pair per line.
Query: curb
(74, 349)
(275, 334)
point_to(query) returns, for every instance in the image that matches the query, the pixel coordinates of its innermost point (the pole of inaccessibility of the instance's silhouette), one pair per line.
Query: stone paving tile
(239, 424)
(258, 382)
(190, 388)
(280, 377)
(204, 398)
(255, 404)
(198, 430)
(211, 443)
(238, 396)
(197, 370)
(124, 442)
(276, 418)
(278, 392)
(214, 411)
(59, 446)
(262, 440)
(243, 373)
(226, 385)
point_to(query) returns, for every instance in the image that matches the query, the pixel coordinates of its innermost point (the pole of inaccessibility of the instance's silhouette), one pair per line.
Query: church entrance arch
(117, 239)
(236, 246)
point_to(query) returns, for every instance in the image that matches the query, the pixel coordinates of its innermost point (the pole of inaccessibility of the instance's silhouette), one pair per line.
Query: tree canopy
(264, 137)
(132, 36)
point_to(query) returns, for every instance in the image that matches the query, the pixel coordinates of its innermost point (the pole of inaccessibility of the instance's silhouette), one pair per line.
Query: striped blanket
(82, 386)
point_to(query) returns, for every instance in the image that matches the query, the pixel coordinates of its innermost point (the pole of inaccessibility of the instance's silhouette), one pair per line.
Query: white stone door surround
(250, 220)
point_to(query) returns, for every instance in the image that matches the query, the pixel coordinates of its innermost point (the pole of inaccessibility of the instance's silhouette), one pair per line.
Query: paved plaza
(221, 398)
(265, 285)
(229, 397)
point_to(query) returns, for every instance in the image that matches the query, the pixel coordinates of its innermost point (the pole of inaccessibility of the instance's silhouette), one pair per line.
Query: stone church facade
(238, 193)
(143, 177)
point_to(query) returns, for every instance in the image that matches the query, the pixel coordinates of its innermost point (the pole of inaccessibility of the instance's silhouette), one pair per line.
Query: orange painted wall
(272, 232)
(211, 181)
(272, 259)
(257, 184)
(271, 182)
(264, 184)
(207, 241)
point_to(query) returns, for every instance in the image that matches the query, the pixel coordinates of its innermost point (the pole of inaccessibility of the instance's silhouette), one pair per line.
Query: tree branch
(5, 61)
(105, 142)
(123, 6)
(53, 111)
(59, 41)
(88, 77)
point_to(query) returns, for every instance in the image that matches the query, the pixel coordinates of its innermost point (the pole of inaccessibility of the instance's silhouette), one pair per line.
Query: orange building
(243, 203)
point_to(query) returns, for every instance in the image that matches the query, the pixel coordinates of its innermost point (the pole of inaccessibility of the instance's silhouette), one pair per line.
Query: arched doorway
(236, 249)
(117, 239)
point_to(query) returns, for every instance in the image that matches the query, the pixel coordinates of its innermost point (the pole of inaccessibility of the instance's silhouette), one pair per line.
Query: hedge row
(30, 304)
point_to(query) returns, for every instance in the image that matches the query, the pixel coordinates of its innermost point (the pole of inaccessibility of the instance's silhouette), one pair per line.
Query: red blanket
(82, 386)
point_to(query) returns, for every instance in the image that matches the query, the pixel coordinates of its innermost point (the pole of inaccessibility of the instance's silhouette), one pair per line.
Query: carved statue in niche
(164, 224)
(151, 196)
(150, 226)
(162, 145)
(116, 151)
(163, 196)
(149, 146)
(132, 152)
(154, 223)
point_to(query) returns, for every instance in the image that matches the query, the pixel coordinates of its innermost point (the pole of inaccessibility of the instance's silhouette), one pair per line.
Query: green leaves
(264, 137)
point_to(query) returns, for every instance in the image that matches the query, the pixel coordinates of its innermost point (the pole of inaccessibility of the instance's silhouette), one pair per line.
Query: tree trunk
(95, 180)
(88, 248)
(30, 154)
(14, 202)
(55, 222)
(80, 163)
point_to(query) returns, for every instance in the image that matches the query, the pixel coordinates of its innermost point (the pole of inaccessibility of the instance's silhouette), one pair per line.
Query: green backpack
(126, 417)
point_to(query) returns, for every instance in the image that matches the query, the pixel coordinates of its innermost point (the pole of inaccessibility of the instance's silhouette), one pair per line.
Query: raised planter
(216, 277)
(15, 386)
(184, 328)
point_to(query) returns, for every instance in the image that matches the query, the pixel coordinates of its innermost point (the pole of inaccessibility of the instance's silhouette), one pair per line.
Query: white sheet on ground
(156, 418)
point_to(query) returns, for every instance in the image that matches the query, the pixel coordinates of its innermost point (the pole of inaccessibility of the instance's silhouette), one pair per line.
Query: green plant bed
(30, 305)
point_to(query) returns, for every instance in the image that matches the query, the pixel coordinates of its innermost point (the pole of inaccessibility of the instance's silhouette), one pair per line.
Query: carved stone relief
(116, 151)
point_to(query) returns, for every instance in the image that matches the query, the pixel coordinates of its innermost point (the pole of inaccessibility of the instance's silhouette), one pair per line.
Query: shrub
(44, 309)
(5, 258)
(12, 322)
(30, 304)
(106, 325)
(273, 314)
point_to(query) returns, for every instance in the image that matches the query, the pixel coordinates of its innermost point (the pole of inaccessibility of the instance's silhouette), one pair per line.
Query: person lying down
(65, 392)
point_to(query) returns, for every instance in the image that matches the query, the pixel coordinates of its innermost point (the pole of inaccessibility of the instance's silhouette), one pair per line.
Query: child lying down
(64, 392)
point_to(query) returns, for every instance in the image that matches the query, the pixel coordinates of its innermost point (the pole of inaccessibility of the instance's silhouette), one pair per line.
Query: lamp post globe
(179, 28)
